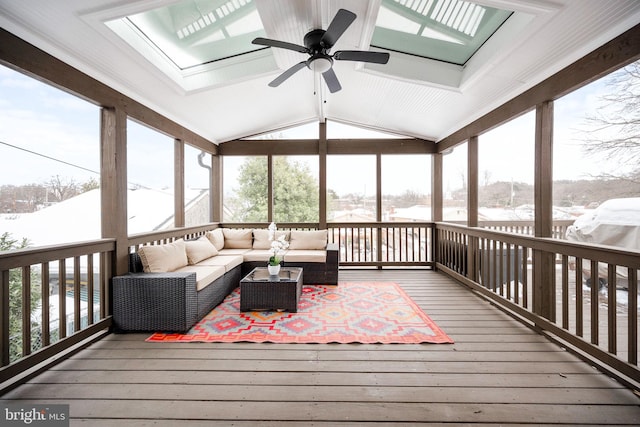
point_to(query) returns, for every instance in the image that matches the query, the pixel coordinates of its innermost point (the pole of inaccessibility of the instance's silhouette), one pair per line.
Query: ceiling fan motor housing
(312, 41)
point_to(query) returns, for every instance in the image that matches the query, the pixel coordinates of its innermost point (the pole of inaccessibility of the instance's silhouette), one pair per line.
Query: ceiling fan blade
(332, 80)
(288, 73)
(277, 43)
(340, 23)
(362, 56)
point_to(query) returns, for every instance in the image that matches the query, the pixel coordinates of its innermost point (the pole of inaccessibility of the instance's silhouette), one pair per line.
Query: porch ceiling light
(320, 64)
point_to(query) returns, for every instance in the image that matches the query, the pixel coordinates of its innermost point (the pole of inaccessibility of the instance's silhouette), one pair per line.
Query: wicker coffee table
(260, 291)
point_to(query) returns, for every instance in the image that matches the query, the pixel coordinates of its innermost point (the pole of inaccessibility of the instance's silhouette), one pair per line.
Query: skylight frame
(193, 44)
(463, 26)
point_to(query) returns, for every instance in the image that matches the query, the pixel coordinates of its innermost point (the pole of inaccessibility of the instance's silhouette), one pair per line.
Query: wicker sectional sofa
(170, 287)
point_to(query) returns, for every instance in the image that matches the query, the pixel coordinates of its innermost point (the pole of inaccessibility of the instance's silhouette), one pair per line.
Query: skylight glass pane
(196, 32)
(445, 30)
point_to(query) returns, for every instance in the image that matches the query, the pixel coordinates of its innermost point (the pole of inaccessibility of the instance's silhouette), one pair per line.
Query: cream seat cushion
(163, 258)
(258, 255)
(205, 275)
(305, 255)
(227, 252)
(229, 262)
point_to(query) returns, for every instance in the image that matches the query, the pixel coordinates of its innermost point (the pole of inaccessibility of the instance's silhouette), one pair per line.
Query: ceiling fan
(317, 44)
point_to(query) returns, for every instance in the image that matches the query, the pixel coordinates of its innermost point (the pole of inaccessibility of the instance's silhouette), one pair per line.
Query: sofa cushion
(227, 252)
(216, 237)
(315, 239)
(258, 255)
(163, 258)
(305, 255)
(205, 275)
(237, 239)
(229, 262)
(200, 249)
(261, 238)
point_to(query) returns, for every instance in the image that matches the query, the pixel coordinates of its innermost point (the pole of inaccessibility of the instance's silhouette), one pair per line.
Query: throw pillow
(237, 238)
(163, 258)
(200, 249)
(308, 239)
(216, 237)
(261, 238)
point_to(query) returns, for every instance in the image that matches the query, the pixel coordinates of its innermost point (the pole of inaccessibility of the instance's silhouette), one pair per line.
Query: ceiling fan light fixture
(320, 64)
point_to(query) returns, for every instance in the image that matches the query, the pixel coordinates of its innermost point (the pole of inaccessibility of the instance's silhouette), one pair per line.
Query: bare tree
(62, 189)
(614, 132)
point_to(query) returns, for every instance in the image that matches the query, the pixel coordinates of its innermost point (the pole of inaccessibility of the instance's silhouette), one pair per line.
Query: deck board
(498, 372)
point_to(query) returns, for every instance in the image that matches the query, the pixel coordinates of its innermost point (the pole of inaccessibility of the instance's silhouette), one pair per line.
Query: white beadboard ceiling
(409, 96)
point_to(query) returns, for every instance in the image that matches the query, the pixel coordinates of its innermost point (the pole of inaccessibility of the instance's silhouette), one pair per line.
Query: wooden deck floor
(497, 372)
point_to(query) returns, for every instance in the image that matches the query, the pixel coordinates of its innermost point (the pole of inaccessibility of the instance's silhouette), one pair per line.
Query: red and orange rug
(347, 313)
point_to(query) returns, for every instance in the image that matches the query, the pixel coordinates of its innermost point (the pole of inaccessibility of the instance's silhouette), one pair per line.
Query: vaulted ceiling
(224, 95)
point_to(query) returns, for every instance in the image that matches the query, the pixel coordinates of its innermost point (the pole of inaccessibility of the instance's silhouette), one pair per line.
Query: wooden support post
(113, 183)
(472, 205)
(379, 207)
(215, 188)
(322, 176)
(178, 183)
(436, 202)
(544, 277)
(270, 188)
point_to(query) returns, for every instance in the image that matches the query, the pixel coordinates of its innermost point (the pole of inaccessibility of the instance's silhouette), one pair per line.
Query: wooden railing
(589, 302)
(383, 243)
(498, 265)
(52, 299)
(526, 227)
(372, 243)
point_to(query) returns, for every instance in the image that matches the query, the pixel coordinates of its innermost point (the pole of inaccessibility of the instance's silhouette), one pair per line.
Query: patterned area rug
(347, 313)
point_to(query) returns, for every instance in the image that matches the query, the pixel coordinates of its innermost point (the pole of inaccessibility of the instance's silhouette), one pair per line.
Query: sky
(37, 118)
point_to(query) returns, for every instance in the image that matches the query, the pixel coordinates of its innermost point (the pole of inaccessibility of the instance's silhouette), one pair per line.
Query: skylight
(196, 32)
(445, 30)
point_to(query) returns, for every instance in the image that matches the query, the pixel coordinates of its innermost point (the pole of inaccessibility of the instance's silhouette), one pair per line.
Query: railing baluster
(632, 324)
(565, 292)
(90, 289)
(26, 310)
(525, 278)
(494, 266)
(76, 294)
(579, 299)
(594, 302)
(612, 310)
(62, 299)
(46, 327)
(4, 316)
(517, 263)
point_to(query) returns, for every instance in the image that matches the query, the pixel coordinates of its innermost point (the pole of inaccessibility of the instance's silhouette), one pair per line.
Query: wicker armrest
(155, 301)
(332, 254)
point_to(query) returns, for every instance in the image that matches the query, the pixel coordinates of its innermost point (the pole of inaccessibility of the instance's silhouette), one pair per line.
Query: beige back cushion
(261, 238)
(308, 239)
(216, 237)
(200, 249)
(163, 258)
(237, 239)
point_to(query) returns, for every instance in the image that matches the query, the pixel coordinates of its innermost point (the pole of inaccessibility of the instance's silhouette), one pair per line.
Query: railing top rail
(381, 224)
(281, 225)
(30, 256)
(141, 238)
